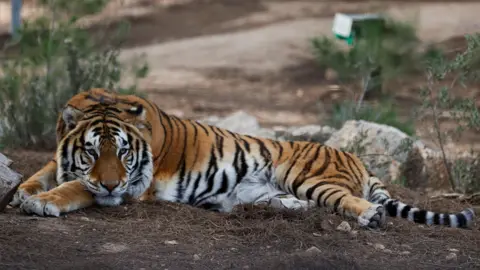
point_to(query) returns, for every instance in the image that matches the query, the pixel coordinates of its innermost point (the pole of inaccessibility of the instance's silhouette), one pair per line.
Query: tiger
(114, 147)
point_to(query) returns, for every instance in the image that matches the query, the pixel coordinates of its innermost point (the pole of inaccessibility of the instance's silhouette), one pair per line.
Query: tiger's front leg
(67, 197)
(41, 181)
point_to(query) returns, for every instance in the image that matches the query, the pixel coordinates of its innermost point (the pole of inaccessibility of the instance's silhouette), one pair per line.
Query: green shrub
(443, 75)
(374, 59)
(56, 60)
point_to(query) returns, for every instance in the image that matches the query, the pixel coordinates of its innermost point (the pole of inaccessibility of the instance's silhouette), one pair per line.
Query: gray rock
(239, 122)
(313, 133)
(382, 148)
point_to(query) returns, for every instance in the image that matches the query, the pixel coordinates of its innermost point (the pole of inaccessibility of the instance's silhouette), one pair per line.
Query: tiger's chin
(109, 200)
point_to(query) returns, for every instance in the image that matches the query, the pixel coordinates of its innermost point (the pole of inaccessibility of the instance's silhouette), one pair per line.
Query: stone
(313, 251)
(344, 227)
(451, 256)
(382, 148)
(311, 133)
(240, 122)
(9, 182)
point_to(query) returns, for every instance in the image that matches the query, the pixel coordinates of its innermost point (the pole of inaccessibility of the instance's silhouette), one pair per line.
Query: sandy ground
(213, 57)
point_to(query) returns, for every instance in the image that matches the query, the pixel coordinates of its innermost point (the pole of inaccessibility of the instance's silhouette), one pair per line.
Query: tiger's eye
(122, 151)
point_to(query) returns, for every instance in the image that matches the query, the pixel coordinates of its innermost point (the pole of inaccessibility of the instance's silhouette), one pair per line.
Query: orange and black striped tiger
(112, 147)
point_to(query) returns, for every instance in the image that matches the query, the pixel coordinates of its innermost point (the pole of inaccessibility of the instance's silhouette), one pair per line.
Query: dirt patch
(172, 236)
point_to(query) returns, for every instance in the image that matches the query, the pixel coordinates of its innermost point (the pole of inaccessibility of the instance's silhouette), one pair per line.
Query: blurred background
(399, 88)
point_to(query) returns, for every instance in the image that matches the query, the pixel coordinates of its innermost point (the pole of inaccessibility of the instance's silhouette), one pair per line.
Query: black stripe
(223, 189)
(239, 163)
(320, 195)
(164, 135)
(339, 158)
(436, 219)
(181, 181)
(462, 220)
(264, 152)
(420, 216)
(325, 163)
(191, 199)
(170, 139)
(350, 161)
(219, 143)
(280, 150)
(298, 182)
(324, 201)
(446, 219)
(337, 202)
(246, 145)
(195, 131)
(391, 207)
(203, 127)
(323, 182)
(372, 188)
(405, 210)
(211, 171)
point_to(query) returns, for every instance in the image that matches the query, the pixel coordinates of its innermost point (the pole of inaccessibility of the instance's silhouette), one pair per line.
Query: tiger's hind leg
(338, 195)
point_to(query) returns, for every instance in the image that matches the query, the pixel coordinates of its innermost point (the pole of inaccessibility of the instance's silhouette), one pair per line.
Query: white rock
(314, 133)
(196, 257)
(344, 227)
(379, 246)
(240, 122)
(171, 242)
(313, 250)
(451, 257)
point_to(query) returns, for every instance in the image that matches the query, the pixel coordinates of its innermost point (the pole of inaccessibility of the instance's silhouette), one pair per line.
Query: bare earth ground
(170, 236)
(215, 57)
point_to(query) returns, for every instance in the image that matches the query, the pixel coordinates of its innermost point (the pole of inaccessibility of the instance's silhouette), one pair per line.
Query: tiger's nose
(109, 186)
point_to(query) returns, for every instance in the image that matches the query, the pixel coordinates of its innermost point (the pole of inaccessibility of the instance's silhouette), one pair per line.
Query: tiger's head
(109, 152)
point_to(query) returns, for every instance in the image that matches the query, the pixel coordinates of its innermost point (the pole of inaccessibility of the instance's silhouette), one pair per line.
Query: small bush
(443, 75)
(386, 53)
(380, 55)
(56, 60)
(383, 113)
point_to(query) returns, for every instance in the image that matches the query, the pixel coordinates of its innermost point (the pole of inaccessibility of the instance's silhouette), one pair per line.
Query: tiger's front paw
(42, 204)
(373, 217)
(22, 194)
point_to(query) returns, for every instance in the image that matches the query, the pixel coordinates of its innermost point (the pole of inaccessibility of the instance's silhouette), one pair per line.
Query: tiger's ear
(71, 116)
(138, 118)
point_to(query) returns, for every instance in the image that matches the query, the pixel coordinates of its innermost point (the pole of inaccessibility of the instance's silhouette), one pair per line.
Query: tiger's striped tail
(395, 208)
